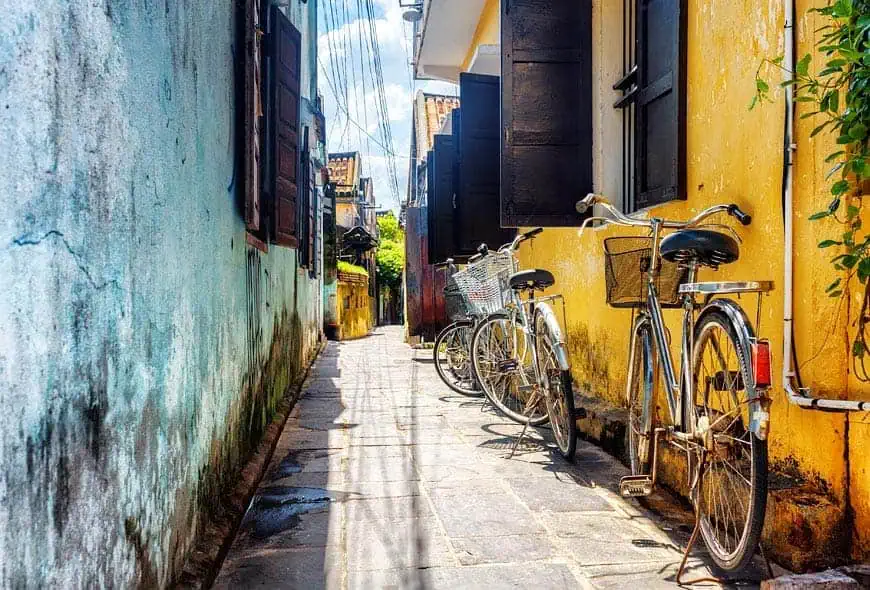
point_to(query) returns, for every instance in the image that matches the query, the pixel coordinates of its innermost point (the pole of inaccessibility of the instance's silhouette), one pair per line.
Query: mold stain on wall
(142, 352)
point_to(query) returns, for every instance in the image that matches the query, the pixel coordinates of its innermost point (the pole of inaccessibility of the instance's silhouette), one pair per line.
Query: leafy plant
(838, 97)
(391, 251)
(351, 269)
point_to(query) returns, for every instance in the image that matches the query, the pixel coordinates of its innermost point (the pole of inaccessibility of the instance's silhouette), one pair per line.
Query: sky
(344, 56)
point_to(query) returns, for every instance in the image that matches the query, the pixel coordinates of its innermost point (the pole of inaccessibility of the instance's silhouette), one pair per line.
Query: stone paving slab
(384, 478)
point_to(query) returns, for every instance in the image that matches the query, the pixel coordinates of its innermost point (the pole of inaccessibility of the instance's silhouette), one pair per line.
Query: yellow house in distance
(671, 140)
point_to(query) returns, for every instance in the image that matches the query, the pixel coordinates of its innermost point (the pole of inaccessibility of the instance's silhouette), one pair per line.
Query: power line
(343, 108)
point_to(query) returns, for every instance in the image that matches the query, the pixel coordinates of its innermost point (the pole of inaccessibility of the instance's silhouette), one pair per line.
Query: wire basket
(486, 283)
(455, 303)
(627, 262)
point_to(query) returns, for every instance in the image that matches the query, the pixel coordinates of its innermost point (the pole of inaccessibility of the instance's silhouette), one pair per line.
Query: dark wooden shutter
(285, 63)
(250, 116)
(304, 229)
(660, 123)
(477, 134)
(429, 210)
(546, 111)
(443, 218)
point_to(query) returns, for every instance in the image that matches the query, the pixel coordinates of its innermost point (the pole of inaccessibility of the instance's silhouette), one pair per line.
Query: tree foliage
(391, 251)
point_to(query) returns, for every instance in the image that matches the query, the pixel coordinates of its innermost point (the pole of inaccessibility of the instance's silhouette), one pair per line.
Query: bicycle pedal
(634, 486)
(525, 388)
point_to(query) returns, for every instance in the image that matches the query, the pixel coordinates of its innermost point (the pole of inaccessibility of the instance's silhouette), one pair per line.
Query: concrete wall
(819, 509)
(355, 318)
(143, 344)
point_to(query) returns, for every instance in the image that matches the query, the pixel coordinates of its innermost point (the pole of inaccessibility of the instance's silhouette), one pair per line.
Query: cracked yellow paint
(734, 155)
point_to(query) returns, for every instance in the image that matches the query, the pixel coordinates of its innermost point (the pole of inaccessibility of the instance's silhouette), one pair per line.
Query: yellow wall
(345, 214)
(354, 309)
(487, 32)
(734, 155)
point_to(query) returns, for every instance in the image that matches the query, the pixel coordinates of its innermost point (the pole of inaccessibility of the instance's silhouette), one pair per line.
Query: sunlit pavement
(384, 478)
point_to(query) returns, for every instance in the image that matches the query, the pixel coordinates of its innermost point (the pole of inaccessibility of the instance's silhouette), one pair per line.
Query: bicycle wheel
(452, 361)
(559, 393)
(733, 492)
(502, 362)
(641, 399)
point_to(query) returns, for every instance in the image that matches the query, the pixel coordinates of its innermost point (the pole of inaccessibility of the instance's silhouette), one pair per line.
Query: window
(653, 102)
(269, 121)
(307, 213)
(546, 100)
(476, 142)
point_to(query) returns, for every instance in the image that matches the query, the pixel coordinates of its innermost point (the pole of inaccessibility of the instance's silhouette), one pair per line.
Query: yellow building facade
(354, 305)
(819, 503)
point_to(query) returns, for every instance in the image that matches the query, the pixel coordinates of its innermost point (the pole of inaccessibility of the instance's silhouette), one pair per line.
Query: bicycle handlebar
(515, 243)
(444, 264)
(619, 218)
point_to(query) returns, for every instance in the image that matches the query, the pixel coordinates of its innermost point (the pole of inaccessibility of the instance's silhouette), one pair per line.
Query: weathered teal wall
(143, 345)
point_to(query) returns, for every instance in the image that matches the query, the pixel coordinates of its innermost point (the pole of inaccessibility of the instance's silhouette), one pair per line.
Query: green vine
(839, 95)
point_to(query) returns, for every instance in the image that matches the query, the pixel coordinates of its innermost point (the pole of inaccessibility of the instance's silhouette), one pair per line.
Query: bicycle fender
(759, 417)
(549, 318)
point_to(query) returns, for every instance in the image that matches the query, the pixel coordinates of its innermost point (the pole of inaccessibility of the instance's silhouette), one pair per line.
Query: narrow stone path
(384, 478)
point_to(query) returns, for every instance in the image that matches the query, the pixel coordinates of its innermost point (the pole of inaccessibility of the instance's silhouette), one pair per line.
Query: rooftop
(430, 110)
(344, 168)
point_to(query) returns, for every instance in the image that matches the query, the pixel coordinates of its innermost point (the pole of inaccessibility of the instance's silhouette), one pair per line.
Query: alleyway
(383, 478)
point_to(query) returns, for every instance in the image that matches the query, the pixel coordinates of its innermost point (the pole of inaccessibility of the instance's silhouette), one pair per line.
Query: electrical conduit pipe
(797, 396)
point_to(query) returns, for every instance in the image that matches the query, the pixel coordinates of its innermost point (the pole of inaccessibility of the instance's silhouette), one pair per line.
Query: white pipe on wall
(799, 397)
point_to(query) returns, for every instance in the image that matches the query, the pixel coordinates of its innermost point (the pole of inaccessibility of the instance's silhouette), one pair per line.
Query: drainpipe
(799, 396)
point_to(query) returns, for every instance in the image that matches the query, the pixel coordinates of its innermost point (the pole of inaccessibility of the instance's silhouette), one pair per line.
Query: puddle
(286, 468)
(278, 508)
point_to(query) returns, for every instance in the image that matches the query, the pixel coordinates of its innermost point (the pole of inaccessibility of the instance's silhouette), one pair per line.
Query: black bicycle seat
(535, 278)
(707, 247)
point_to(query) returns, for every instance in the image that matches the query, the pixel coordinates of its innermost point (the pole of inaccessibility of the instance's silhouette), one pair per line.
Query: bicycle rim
(502, 363)
(732, 494)
(641, 398)
(452, 360)
(559, 397)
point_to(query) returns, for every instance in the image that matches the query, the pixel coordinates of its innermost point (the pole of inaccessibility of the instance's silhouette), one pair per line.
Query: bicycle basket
(485, 284)
(455, 304)
(626, 263)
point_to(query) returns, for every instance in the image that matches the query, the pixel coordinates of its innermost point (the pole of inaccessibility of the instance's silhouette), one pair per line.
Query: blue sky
(344, 62)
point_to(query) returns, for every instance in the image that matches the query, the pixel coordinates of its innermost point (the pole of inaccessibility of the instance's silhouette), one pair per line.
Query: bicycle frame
(679, 390)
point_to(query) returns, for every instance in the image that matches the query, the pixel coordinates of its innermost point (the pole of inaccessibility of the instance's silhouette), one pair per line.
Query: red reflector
(761, 363)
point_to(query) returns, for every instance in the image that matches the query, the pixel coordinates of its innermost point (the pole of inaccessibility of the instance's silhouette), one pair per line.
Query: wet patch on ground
(277, 509)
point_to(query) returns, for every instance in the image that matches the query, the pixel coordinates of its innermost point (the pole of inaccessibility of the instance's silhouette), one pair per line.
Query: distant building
(424, 301)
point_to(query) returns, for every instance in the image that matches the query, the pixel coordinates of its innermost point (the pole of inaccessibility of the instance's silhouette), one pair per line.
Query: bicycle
(518, 352)
(452, 345)
(718, 407)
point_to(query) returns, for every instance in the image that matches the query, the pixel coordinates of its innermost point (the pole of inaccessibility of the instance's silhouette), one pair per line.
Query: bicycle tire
(735, 421)
(494, 380)
(463, 384)
(560, 403)
(641, 400)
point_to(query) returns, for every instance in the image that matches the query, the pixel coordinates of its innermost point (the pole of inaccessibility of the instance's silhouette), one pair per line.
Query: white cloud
(339, 55)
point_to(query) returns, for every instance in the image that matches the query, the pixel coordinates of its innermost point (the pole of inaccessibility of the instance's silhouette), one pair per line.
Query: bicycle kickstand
(528, 410)
(519, 440)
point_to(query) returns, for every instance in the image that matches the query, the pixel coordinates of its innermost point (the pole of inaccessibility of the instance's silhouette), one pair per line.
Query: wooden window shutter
(476, 133)
(546, 111)
(660, 107)
(443, 218)
(285, 106)
(251, 112)
(429, 212)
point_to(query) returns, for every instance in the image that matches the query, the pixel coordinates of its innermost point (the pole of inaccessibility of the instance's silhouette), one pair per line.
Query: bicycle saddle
(704, 246)
(535, 278)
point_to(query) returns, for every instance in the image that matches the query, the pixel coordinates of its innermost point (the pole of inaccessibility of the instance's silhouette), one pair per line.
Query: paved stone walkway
(384, 478)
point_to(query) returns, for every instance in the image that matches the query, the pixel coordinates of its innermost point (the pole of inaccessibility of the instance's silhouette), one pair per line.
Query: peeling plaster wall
(143, 344)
